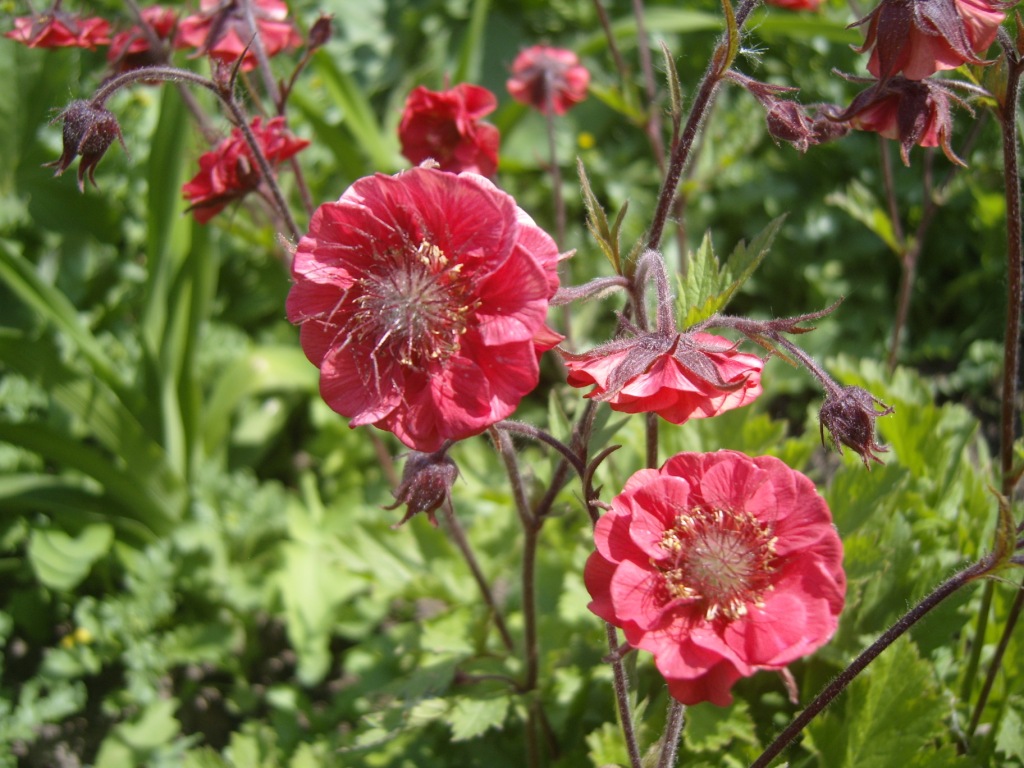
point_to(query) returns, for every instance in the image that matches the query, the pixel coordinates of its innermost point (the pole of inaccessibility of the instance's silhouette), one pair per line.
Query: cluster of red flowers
(220, 29)
(230, 171)
(910, 42)
(422, 299)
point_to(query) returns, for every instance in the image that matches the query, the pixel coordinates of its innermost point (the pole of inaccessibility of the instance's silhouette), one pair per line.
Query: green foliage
(707, 286)
(197, 569)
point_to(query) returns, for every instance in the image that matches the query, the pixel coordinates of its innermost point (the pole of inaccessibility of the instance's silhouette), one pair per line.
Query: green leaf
(699, 286)
(471, 717)
(710, 728)
(1010, 736)
(55, 308)
(467, 70)
(63, 562)
(154, 503)
(707, 287)
(898, 687)
(155, 727)
(607, 238)
(261, 370)
(860, 203)
(357, 112)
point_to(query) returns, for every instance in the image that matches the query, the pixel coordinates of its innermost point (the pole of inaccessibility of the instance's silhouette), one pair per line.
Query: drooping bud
(426, 483)
(849, 416)
(788, 120)
(320, 32)
(89, 130)
(912, 112)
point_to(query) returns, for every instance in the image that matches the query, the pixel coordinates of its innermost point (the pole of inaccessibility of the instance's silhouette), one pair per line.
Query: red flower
(57, 29)
(131, 49)
(720, 565)
(422, 299)
(921, 37)
(796, 5)
(908, 111)
(220, 29)
(548, 79)
(230, 171)
(445, 126)
(678, 376)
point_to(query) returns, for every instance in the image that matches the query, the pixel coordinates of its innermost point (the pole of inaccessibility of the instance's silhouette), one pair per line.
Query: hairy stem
(673, 730)
(844, 678)
(1011, 339)
(621, 685)
(176, 75)
(680, 155)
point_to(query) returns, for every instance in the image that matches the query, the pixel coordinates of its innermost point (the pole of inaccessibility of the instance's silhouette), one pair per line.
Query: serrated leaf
(897, 688)
(1010, 735)
(745, 259)
(471, 717)
(700, 284)
(597, 221)
(63, 562)
(708, 287)
(710, 728)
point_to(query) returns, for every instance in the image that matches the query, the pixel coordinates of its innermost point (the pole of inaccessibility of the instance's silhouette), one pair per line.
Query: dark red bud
(89, 131)
(427, 480)
(849, 416)
(320, 32)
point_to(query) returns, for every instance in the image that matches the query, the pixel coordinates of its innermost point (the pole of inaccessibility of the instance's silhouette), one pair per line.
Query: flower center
(412, 307)
(718, 559)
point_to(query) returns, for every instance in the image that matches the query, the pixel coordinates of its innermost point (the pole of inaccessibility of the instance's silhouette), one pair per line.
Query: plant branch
(698, 112)
(844, 678)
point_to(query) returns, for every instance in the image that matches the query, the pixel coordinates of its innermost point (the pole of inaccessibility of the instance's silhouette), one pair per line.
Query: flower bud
(320, 32)
(89, 130)
(426, 483)
(849, 416)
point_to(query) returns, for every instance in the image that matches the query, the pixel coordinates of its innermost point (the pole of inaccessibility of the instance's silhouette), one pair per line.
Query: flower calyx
(427, 481)
(849, 414)
(908, 111)
(89, 130)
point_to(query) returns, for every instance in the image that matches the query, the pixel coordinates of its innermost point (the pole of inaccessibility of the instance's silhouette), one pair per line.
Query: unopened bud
(426, 483)
(849, 416)
(320, 32)
(89, 130)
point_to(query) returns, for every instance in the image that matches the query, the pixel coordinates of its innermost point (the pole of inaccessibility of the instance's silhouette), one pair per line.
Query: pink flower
(229, 171)
(422, 299)
(131, 49)
(548, 79)
(445, 126)
(921, 37)
(57, 29)
(679, 376)
(796, 5)
(720, 565)
(908, 111)
(220, 29)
